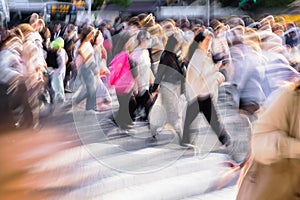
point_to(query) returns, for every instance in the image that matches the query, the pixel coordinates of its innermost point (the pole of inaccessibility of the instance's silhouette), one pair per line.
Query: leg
(143, 101)
(191, 113)
(207, 106)
(90, 84)
(123, 118)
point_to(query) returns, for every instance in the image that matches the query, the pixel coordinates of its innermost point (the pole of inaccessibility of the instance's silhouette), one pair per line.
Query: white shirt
(202, 76)
(142, 59)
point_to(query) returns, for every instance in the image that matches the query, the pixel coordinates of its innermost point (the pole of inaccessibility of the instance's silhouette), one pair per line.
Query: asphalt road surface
(83, 155)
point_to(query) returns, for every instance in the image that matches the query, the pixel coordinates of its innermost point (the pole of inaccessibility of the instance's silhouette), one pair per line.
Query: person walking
(171, 79)
(273, 172)
(58, 75)
(85, 62)
(202, 81)
(141, 57)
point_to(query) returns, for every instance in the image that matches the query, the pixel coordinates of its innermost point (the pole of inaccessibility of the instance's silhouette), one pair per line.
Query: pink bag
(121, 77)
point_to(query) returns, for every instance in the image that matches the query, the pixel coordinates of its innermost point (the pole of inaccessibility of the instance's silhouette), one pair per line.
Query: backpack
(121, 77)
(51, 59)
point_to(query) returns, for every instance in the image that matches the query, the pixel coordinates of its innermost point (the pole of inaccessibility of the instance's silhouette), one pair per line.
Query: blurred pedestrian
(56, 32)
(34, 59)
(202, 83)
(275, 149)
(103, 97)
(141, 57)
(171, 79)
(247, 69)
(85, 63)
(15, 109)
(220, 48)
(70, 39)
(59, 72)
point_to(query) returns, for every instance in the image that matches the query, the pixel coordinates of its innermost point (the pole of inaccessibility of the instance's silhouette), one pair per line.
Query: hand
(220, 78)
(218, 65)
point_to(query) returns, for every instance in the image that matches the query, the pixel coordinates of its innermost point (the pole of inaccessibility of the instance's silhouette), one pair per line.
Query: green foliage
(272, 3)
(225, 3)
(261, 3)
(122, 3)
(97, 4)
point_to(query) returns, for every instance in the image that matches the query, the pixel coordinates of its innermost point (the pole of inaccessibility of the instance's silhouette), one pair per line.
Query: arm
(271, 139)
(271, 147)
(163, 64)
(62, 59)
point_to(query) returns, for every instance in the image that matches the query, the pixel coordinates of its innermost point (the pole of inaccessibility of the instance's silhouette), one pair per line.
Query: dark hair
(96, 36)
(134, 21)
(85, 31)
(200, 36)
(194, 45)
(191, 51)
(171, 43)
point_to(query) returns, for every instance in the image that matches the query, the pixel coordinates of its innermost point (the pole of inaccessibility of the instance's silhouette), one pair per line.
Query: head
(236, 35)
(39, 25)
(25, 29)
(71, 30)
(144, 39)
(33, 18)
(168, 25)
(88, 34)
(98, 38)
(235, 21)
(204, 39)
(133, 23)
(217, 26)
(147, 21)
(278, 29)
(252, 39)
(13, 39)
(56, 28)
(156, 30)
(174, 42)
(184, 23)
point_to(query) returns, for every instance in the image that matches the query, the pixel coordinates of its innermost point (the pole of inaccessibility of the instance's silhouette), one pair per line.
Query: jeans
(87, 88)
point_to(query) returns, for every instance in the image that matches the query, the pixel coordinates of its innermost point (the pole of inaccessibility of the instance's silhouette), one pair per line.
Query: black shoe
(225, 138)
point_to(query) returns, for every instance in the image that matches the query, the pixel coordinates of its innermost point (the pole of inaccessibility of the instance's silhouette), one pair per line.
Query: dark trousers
(13, 97)
(144, 101)
(71, 72)
(206, 106)
(126, 110)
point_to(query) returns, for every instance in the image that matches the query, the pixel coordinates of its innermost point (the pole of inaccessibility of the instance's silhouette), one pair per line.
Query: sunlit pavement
(82, 155)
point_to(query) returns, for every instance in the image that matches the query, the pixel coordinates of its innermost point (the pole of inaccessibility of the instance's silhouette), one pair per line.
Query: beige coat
(275, 170)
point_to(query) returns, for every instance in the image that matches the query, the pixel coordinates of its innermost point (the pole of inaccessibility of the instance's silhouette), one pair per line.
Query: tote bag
(121, 77)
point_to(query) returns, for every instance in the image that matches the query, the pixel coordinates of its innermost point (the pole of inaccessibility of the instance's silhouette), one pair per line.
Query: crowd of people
(171, 62)
(164, 73)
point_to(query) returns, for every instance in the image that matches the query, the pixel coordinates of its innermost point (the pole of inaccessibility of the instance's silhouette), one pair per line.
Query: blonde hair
(252, 39)
(25, 29)
(11, 36)
(148, 21)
